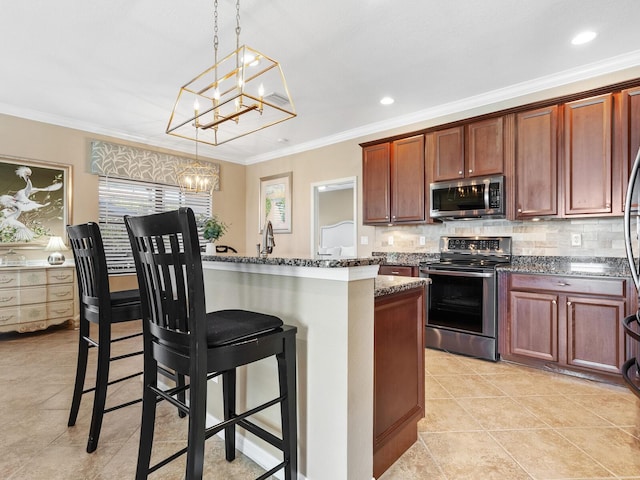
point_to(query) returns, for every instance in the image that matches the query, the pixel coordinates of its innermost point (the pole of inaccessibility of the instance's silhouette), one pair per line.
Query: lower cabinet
(33, 298)
(398, 399)
(564, 322)
(399, 270)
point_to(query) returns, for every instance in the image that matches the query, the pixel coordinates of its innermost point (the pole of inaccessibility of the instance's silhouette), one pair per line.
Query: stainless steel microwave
(480, 197)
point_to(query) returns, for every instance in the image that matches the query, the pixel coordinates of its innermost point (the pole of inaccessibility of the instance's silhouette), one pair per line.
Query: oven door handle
(458, 273)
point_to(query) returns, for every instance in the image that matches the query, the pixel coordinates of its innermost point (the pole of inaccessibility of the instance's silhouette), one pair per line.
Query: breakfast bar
(331, 302)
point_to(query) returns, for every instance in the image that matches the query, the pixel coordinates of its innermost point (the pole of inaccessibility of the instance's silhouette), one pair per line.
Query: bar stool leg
(81, 372)
(147, 425)
(102, 382)
(229, 406)
(287, 380)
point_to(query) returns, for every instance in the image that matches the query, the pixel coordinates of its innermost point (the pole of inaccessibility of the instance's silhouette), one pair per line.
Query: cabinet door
(376, 181)
(630, 137)
(595, 336)
(447, 155)
(398, 374)
(533, 325)
(485, 147)
(536, 163)
(408, 180)
(587, 150)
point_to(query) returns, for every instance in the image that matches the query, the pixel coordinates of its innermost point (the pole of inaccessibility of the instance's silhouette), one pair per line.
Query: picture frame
(35, 201)
(275, 202)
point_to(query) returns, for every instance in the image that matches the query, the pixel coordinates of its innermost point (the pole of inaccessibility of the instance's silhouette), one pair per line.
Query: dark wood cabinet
(398, 380)
(376, 183)
(485, 147)
(398, 270)
(566, 323)
(472, 150)
(628, 138)
(588, 156)
(394, 182)
(536, 163)
(446, 154)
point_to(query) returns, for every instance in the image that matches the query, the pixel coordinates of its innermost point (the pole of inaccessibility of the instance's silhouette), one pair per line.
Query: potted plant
(212, 229)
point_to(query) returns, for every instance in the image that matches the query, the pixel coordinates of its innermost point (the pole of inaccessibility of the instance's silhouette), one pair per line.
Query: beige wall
(48, 143)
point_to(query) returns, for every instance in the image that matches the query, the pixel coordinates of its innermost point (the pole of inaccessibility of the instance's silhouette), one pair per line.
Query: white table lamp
(55, 245)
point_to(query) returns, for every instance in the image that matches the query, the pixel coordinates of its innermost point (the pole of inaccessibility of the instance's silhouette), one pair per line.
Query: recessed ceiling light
(583, 37)
(386, 100)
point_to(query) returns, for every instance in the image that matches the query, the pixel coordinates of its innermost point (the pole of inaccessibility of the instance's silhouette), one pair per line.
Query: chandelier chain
(237, 24)
(215, 31)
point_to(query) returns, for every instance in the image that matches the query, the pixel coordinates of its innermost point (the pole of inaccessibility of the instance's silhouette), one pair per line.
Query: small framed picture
(275, 202)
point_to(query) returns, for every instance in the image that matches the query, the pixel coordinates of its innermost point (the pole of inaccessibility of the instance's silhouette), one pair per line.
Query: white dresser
(35, 297)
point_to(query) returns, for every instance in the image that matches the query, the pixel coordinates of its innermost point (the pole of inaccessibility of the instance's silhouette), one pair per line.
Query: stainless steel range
(462, 315)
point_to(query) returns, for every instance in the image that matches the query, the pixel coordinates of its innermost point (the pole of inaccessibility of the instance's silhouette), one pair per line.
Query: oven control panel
(478, 245)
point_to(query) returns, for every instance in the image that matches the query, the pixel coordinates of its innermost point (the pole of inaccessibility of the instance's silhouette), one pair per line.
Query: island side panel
(335, 365)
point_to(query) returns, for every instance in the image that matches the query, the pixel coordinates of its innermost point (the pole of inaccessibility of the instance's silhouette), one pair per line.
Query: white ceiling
(114, 67)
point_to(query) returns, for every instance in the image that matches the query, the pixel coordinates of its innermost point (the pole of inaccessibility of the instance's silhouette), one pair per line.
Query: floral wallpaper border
(123, 161)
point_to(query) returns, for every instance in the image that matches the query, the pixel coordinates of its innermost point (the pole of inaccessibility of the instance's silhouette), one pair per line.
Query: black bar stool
(99, 306)
(181, 335)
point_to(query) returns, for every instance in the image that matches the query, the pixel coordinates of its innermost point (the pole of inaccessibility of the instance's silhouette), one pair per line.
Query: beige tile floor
(484, 421)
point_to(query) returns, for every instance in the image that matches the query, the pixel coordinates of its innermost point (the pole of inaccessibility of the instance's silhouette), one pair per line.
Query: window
(118, 198)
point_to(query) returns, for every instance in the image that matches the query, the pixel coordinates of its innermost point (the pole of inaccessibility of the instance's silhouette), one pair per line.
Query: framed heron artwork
(35, 201)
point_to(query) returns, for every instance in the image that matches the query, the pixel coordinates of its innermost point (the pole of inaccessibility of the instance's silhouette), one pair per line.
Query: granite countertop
(291, 261)
(574, 266)
(548, 265)
(389, 284)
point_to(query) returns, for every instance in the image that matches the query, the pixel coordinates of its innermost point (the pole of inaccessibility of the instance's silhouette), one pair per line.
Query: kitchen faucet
(268, 241)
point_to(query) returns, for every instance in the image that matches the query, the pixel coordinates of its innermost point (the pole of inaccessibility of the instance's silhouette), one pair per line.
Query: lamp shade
(55, 245)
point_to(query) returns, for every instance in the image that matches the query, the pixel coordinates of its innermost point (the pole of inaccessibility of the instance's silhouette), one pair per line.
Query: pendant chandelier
(240, 94)
(196, 176)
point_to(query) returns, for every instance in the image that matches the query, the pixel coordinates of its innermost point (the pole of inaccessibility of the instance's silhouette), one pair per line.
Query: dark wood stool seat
(179, 334)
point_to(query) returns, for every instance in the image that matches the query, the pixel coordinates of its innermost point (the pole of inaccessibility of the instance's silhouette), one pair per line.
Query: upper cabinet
(472, 150)
(394, 182)
(536, 163)
(629, 138)
(588, 156)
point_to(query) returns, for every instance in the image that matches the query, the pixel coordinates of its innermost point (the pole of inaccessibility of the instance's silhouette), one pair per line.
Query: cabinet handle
(60, 312)
(6, 318)
(62, 277)
(470, 171)
(6, 280)
(562, 284)
(554, 302)
(459, 172)
(568, 304)
(519, 210)
(395, 272)
(63, 294)
(6, 299)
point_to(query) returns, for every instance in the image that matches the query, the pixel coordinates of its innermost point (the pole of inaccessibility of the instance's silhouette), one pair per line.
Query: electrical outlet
(364, 240)
(423, 241)
(576, 239)
(390, 240)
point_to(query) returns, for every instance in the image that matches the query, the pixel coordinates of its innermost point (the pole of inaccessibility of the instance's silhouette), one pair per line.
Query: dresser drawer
(60, 309)
(9, 315)
(59, 292)
(30, 278)
(24, 313)
(9, 279)
(60, 275)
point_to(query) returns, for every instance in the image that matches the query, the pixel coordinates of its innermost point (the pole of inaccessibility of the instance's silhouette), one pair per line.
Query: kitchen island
(331, 301)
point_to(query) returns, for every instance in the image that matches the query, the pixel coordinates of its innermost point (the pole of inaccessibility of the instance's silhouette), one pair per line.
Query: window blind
(118, 197)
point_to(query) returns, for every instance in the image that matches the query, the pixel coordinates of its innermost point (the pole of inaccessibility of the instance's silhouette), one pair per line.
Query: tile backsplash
(597, 236)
